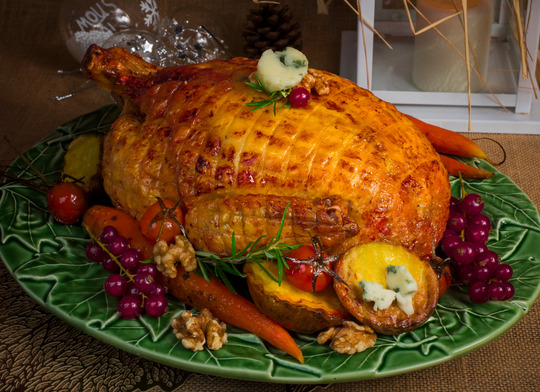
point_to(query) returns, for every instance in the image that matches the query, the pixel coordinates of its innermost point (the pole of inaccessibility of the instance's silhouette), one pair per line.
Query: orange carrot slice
(449, 142)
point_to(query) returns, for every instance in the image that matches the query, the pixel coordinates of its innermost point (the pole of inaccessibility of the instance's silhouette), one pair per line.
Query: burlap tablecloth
(38, 352)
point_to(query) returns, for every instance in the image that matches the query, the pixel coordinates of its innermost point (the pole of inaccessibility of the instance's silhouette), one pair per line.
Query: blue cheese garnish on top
(282, 70)
(401, 287)
(381, 297)
(402, 282)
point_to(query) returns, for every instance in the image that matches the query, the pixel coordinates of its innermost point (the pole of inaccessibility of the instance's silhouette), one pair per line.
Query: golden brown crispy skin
(252, 216)
(188, 131)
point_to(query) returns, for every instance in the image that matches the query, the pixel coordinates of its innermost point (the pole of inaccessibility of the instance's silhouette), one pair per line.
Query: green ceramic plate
(48, 260)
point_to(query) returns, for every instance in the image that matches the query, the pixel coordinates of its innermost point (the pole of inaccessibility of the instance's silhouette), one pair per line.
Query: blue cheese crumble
(401, 287)
(282, 70)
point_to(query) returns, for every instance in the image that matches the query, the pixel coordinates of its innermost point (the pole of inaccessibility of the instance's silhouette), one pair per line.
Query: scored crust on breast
(352, 167)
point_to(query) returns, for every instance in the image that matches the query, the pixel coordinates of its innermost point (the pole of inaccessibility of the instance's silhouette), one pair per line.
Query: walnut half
(166, 256)
(349, 338)
(195, 331)
(315, 81)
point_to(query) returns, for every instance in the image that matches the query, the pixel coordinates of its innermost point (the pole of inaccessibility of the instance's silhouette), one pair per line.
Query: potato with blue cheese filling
(377, 273)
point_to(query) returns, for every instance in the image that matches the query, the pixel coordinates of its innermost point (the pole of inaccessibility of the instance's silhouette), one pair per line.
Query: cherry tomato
(67, 202)
(170, 228)
(444, 281)
(301, 275)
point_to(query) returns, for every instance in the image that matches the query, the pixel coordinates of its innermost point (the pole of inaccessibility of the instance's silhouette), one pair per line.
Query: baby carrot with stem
(457, 168)
(449, 142)
(231, 308)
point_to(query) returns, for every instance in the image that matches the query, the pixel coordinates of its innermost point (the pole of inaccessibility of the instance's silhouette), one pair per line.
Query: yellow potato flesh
(369, 262)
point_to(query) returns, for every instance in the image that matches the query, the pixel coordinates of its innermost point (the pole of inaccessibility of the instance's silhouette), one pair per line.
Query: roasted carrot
(231, 308)
(449, 142)
(98, 216)
(455, 168)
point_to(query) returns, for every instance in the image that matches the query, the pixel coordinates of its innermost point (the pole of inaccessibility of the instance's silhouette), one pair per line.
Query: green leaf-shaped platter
(48, 260)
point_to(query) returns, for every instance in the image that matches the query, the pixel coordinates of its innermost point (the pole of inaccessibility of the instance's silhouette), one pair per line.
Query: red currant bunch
(132, 281)
(465, 243)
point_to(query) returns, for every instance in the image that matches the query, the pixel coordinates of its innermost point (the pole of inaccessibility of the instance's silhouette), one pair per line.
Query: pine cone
(270, 26)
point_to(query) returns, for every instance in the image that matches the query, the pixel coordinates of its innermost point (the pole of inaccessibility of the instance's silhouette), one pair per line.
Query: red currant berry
(155, 305)
(144, 282)
(467, 274)
(130, 259)
(503, 272)
(479, 219)
(478, 292)
(147, 267)
(497, 291)
(108, 234)
(454, 203)
(118, 246)
(456, 221)
(464, 253)
(115, 285)
(299, 97)
(129, 306)
(94, 252)
(509, 290)
(476, 234)
(449, 243)
(109, 264)
(488, 258)
(472, 204)
(483, 273)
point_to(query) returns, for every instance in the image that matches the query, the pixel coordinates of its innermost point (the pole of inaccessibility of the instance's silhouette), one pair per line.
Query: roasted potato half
(368, 262)
(294, 309)
(83, 162)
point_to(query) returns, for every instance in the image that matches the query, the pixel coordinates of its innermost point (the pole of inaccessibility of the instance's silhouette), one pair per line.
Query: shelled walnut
(166, 256)
(315, 81)
(349, 338)
(195, 331)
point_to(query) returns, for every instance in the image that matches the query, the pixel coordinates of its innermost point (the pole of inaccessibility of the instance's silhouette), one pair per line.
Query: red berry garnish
(95, 253)
(456, 221)
(478, 292)
(472, 204)
(155, 305)
(115, 285)
(130, 306)
(299, 97)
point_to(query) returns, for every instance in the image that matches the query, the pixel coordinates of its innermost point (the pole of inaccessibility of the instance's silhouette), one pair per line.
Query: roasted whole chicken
(350, 167)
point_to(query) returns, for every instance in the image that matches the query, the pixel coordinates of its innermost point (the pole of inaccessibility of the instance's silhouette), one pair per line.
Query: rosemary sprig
(252, 253)
(275, 96)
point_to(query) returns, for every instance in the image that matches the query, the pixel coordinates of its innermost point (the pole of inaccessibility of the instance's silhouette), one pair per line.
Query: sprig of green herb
(219, 267)
(275, 96)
